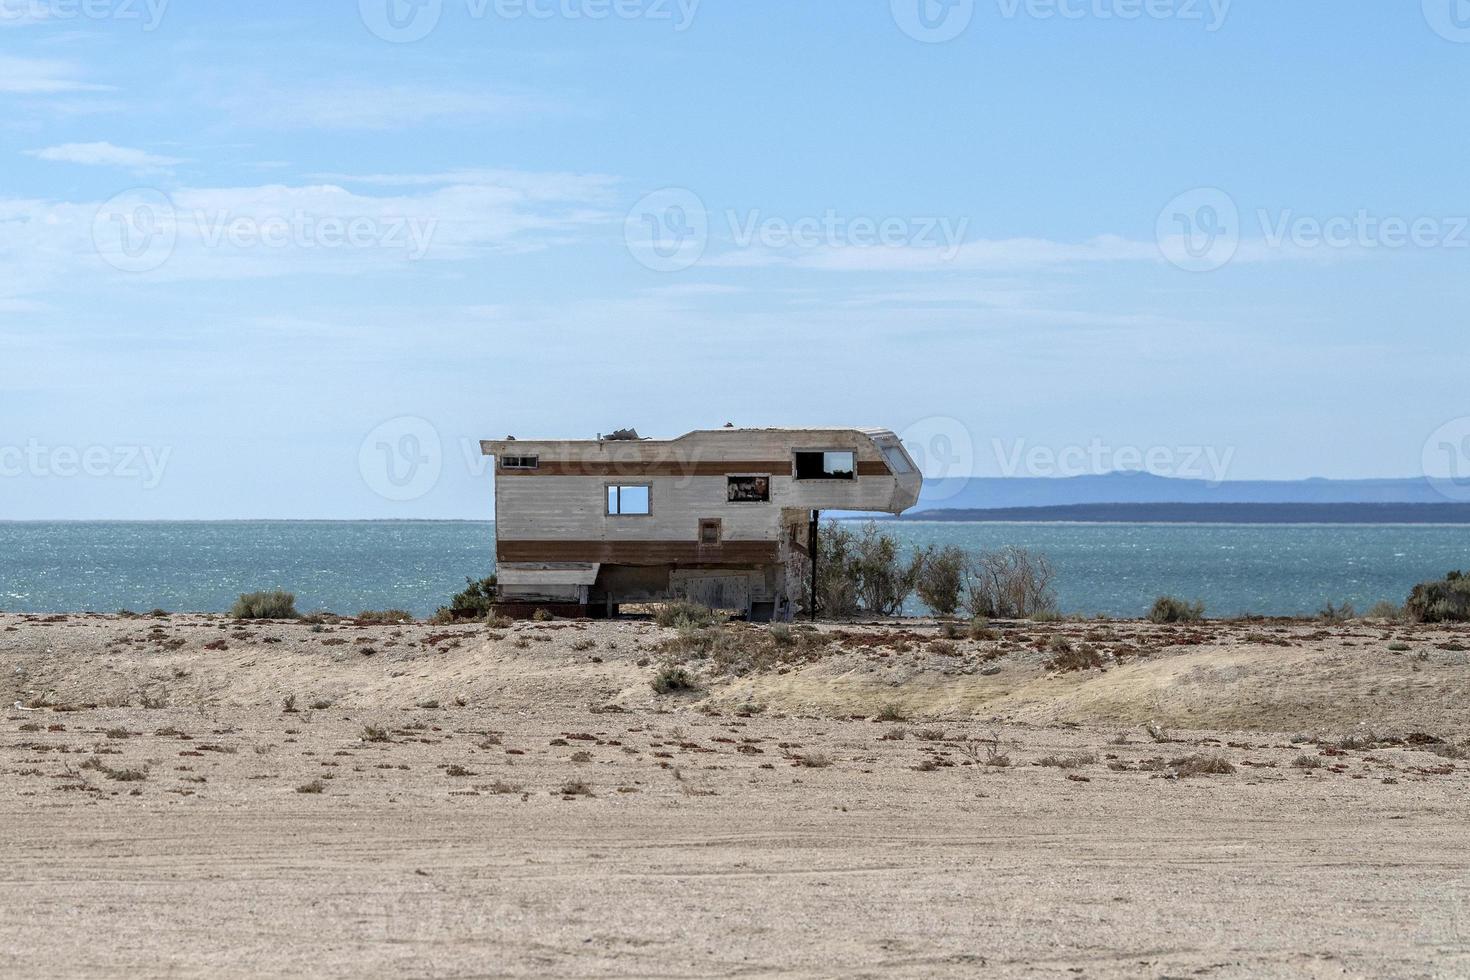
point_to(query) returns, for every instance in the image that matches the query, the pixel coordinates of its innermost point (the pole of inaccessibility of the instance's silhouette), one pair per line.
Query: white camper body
(720, 516)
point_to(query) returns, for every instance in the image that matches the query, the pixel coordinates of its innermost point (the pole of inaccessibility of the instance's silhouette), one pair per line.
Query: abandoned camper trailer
(724, 517)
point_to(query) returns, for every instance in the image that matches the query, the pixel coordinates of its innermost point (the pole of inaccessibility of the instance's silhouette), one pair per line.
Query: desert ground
(192, 795)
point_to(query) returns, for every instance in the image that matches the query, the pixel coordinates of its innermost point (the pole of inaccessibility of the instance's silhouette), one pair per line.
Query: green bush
(1167, 609)
(265, 605)
(1445, 601)
(476, 602)
(941, 579)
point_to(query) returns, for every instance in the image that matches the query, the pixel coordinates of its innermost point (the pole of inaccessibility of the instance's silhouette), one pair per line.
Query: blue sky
(280, 259)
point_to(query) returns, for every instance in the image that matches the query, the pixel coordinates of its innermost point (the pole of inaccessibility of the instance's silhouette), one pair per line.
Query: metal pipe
(812, 550)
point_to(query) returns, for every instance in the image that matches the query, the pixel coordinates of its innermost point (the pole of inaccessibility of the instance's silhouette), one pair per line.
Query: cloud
(105, 155)
(273, 230)
(42, 76)
(356, 106)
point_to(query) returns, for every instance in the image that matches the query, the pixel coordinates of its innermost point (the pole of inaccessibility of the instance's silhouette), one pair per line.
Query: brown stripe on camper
(676, 468)
(640, 552)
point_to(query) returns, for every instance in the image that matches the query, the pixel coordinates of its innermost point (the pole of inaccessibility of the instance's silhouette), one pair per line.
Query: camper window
(826, 465)
(749, 490)
(629, 501)
(897, 461)
(520, 462)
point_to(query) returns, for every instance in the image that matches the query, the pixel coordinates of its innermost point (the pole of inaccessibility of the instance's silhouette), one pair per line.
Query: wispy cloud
(225, 233)
(43, 76)
(106, 155)
(365, 106)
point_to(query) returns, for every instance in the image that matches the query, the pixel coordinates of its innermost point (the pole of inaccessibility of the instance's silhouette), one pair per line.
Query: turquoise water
(1114, 569)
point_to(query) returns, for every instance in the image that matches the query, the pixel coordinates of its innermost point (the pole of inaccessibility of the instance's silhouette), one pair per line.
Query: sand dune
(191, 795)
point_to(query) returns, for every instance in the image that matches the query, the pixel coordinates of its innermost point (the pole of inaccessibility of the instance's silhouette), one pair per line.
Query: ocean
(1110, 569)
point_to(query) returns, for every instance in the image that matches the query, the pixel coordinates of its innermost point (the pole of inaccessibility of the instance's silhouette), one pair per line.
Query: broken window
(629, 501)
(709, 531)
(520, 462)
(749, 489)
(837, 465)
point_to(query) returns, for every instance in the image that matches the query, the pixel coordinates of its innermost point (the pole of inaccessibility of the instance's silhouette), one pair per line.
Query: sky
(294, 260)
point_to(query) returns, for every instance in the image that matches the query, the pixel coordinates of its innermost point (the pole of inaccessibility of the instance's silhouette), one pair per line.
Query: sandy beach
(191, 795)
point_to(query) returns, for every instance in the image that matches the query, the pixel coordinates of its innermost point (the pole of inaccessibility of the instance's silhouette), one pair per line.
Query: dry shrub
(1167, 609)
(863, 572)
(684, 615)
(1201, 765)
(1445, 601)
(1012, 583)
(384, 617)
(265, 605)
(1074, 761)
(1067, 658)
(672, 678)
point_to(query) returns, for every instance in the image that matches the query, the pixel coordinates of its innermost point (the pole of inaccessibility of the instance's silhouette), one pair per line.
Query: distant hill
(1145, 488)
(1173, 513)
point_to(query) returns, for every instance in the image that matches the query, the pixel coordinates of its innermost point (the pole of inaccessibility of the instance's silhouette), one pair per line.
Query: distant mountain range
(1210, 514)
(989, 493)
